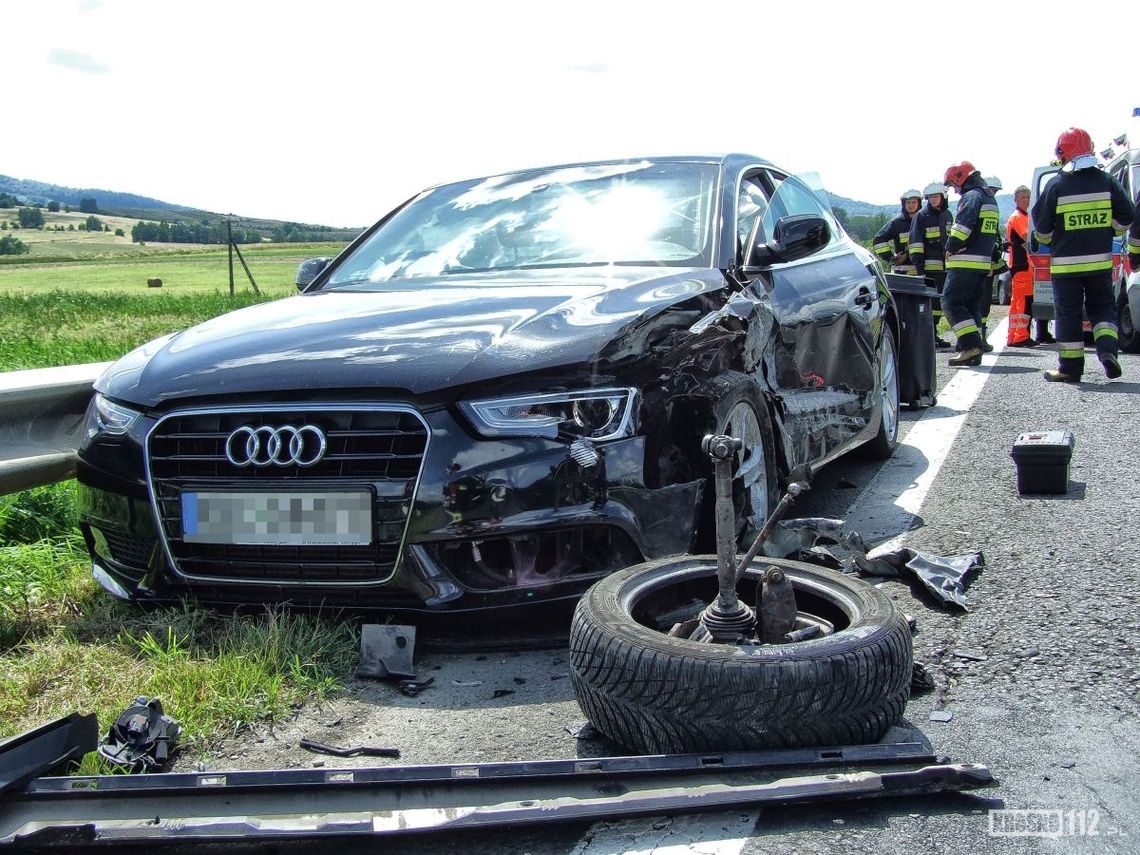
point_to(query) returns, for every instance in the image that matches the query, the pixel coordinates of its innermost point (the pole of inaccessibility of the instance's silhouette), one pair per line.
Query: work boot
(1045, 337)
(1055, 376)
(941, 343)
(966, 358)
(986, 346)
(1027, 343)
(1111, 366)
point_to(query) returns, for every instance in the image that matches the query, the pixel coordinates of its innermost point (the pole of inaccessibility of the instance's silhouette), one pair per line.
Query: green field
(94, 309)
(65, 645)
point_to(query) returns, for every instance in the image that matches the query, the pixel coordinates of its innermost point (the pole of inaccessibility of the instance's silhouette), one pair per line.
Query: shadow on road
(1112, 388)
(1076, 494)
(1013, 369)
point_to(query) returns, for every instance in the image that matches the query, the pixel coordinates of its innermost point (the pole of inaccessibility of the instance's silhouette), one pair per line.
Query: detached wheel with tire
(655, 693)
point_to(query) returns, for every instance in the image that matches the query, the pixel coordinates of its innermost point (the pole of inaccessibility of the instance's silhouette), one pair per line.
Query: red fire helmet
(957, 173)
(1072, 144)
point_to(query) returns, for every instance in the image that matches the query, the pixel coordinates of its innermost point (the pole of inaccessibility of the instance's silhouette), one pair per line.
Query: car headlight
(596, 414)
(107, 417)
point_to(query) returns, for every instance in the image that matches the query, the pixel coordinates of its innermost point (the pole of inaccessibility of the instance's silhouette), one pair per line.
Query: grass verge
(65, 646)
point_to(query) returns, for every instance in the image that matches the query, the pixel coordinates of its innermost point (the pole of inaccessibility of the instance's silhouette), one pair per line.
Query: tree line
(207, 232)
(862, 227)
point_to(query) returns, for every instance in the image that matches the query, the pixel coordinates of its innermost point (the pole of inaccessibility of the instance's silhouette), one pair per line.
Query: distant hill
(40, 193)
(137, 207)
(862, 209)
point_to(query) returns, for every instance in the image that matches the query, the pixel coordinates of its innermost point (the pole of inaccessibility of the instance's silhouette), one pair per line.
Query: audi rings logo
(276, 446)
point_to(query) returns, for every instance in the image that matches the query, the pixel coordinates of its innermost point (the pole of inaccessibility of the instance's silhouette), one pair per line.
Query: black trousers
(1073, 296)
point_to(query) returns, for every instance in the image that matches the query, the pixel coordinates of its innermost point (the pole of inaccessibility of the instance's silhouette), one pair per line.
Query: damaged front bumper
(478, 525)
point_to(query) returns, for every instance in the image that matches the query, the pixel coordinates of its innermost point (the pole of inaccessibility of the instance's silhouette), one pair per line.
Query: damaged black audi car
(496, 395)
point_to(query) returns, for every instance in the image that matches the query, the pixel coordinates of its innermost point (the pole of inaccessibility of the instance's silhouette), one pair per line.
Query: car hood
(431, 335)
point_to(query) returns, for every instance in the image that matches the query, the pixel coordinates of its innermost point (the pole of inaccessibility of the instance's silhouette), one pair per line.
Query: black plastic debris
(413, 687)
(824, 542)
(502, 693)
(921, 680)
(386, 650)
(945, 577)
(358, 751)
(142, 739)
(583, 730)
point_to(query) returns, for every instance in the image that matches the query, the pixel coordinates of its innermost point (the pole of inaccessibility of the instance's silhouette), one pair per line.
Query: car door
(827, 308)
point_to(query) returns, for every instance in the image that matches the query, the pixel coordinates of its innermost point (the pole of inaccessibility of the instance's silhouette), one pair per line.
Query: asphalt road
(1047, 695)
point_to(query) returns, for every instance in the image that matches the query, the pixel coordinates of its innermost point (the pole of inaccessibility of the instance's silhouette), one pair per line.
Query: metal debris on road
(971, 655)
(386, 650)
(359, 751)
(411, 688)
(941, 715)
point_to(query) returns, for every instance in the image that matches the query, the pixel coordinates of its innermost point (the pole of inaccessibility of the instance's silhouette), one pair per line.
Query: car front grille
(378, 449)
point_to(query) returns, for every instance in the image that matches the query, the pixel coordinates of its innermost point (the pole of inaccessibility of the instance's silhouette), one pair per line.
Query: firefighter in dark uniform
(927, 246)
(969, 251)
(997, 268)
(1078, 213)
(890, 243)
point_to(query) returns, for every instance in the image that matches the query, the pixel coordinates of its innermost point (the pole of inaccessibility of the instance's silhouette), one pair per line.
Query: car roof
(728, 161)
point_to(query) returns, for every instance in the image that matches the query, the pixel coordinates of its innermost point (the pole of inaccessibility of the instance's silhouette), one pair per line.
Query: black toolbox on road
(1042, 459)
(915, 303)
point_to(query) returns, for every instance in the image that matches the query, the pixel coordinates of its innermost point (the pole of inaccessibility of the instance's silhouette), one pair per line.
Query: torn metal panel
(222, 807)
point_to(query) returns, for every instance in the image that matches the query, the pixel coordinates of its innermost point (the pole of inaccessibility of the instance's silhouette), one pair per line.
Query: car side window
(751, 206)
(792, 196)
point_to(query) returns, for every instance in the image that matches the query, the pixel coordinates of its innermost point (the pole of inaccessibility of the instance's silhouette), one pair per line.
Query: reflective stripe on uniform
(1044, 237)
(933, 233)
(918, 247)
(934, 265)
(968, 262)
(1081, 263)
(1071, 350)
(1134, 245)
(1077, 198)
(964, 328)
(960, 232)
(1104, 329)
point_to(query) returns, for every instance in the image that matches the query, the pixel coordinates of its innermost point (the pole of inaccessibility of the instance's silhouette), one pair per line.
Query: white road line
(887, 508)
(884, 511)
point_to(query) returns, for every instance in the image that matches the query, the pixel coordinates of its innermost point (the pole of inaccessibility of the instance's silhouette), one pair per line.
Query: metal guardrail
(41, 417)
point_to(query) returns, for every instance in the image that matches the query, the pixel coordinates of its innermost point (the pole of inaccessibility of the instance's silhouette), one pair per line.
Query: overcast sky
(333, 112)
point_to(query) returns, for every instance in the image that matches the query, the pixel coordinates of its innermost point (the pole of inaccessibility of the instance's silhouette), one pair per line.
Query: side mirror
(796, 236)
(310, 269)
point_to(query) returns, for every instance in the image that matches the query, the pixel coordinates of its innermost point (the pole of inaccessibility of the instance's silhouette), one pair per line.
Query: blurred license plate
(291, 519)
